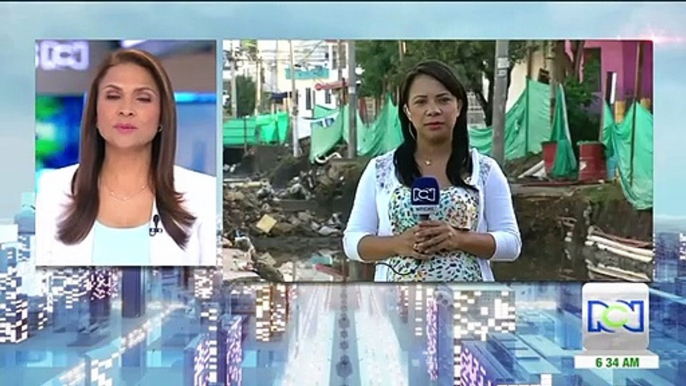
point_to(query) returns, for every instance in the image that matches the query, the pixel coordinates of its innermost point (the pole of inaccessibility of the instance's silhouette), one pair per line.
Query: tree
(379, 59)
(249, 49)
(564, 65)
(579, 75)
(473, 61)
(245, 88)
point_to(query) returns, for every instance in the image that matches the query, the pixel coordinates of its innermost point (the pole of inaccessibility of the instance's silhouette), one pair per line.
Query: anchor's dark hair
(82, 211)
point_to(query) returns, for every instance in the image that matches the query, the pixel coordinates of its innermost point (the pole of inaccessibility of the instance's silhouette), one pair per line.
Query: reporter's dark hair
(82, 212)
(460, 161)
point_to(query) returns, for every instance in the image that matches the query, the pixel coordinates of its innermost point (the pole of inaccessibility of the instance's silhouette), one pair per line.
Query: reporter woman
(474, 223)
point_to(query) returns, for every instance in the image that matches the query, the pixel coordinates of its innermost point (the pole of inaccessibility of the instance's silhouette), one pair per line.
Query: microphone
(425, 197)
(155, 229)
(424, 200)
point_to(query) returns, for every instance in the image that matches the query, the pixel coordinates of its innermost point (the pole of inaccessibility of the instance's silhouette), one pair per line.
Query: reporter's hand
(437, 236)
(406, 244)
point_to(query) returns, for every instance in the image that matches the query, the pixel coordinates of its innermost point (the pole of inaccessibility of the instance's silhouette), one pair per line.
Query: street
(335, 342)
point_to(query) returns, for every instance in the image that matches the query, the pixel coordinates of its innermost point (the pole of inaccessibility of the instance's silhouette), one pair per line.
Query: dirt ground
(538, 210)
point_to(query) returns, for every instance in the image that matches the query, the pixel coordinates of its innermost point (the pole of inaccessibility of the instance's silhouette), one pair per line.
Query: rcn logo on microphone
(425, 191)
(425, 195)
(615, 316)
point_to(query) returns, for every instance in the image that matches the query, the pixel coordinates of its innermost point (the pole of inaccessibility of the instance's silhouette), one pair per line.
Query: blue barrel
(611, 168)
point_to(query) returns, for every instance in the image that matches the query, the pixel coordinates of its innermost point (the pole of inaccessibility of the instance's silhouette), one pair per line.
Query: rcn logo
(612, 316)
(423, 195)
(54, 55)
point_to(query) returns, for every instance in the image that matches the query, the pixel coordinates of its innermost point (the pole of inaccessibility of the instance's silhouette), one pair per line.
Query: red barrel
(592, 166)
(549, 151)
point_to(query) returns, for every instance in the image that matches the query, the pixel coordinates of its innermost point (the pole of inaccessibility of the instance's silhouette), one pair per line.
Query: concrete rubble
(254, 209)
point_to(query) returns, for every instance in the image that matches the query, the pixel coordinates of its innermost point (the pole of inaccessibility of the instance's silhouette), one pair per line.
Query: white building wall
(518, 81)
(275, 59)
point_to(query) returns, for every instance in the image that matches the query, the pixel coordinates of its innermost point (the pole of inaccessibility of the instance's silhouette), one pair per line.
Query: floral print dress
(458, 207)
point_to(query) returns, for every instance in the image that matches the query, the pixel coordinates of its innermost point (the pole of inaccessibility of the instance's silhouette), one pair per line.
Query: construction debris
(255, 209)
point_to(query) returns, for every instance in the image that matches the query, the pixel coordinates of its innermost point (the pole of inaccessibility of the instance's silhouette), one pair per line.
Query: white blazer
(199, 190)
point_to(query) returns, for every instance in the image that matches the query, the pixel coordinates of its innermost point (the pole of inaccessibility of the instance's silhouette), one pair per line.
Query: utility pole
(529, 60)
(294, 101)
(352, 101)
(557, 73)
(340, 63)
(258, 85)
(401, 57)
(275, 72)
(637, 100)
(234, 96)
(502, 65)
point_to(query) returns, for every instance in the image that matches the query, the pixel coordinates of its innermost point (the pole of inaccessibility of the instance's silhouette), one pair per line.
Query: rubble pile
(242, 262)
(256, 209)
(290, 218)
(242, 257)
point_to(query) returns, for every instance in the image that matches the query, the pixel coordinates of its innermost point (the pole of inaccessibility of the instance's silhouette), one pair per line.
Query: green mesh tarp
(240, 132)
(323, 112)
(385, 133)
(381, 136)
(262, 129)
(527, 124)
(635, 170)
(565, 160)
(325, 138)
(273, 128)
(361, 127)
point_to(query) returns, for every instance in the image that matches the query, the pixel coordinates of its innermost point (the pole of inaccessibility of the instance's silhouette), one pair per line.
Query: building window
(334, 56)
(327, 96)
(308, 98)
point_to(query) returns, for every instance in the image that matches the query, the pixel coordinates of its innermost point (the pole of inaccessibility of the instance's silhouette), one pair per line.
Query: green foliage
(265, 103)
(472, 60)
(249, 48)
(379, 59)
(584, 125)
(245, 88)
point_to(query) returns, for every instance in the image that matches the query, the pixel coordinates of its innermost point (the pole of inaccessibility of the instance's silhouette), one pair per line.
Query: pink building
(619, 56)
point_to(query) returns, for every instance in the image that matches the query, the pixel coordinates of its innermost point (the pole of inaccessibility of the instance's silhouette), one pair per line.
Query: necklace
(427, 161)
(125, 198)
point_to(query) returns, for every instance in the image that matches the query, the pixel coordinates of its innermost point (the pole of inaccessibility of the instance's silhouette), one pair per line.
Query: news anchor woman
(474, 222)
(126, 203)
